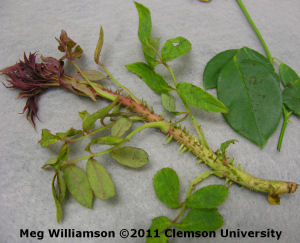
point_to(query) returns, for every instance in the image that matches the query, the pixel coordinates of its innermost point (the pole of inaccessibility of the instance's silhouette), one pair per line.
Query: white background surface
(25, 191)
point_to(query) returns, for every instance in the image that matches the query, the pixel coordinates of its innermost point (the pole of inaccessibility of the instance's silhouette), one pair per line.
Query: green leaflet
(174, 48)
(61, 184)
(99, 46)
(214, 67)
(71, 132)
(63, 154)
(57, 203)
(121, 126)
(291, 97)
(130, 156)
(166, 186)
(251, 91)
(154, 80)
(287, 74)
(107, 140)
(83, 89)
(149, 53)
(100, 181)
(197, 97)
(83, 114)
(94, 75)
(88, 122)
(78, 185)
(208, 197)
(225, 145)
(49, 162)
(201, 220)
(48, 138)
(145, 25)
(159, 224)
(247, 53)
(168, 102)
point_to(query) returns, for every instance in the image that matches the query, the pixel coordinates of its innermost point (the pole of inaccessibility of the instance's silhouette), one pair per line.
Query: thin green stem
(172, 73)
(193, 183)
(161, 125)
(97, 89)
(117, 83)
(286, 116)
(91, 133)
(268, 53)
(197, 126)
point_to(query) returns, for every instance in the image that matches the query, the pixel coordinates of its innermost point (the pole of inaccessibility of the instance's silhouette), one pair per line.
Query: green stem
(161, 125)
(197, 126)
(94, 86)
(172, 73)
(117, 83)
(91, 133)
(286, 117)
(268, 53)
(193, 183)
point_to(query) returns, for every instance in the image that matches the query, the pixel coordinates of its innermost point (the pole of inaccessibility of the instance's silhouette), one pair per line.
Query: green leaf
(168, 102)
(208, 197)
(197, 97)
(49, 162)
(94, 75)
(246, 53)
(159, 224)
(225, 145)
(77, 52)
(214, 67)
(166, 186)
(174, 48)
(63, 154)
(149, 53)
(48, 138)
(145, 25)
(71, 132)
(62, 188)
(201, 220)
(287, 74)
(251, 92)
(98, 46)
(121, 126)
(89, 120)
(107, 140)
(154, 80)
(57, 203)
(130, 156)
(78, 185)
(100, 181)
(291, 97)
(83, 89)
(83, 114)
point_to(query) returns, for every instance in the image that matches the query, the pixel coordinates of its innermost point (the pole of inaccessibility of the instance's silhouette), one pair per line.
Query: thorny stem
(286, 116)
(215, 162)
(268, 53)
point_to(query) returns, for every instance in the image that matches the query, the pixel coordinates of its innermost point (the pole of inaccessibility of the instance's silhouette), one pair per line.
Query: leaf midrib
(248, 96)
